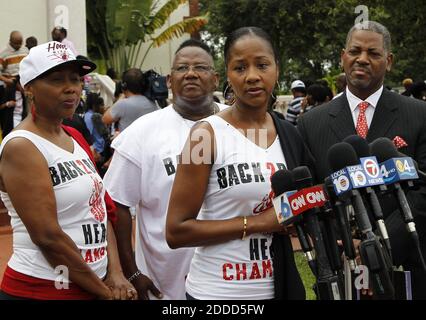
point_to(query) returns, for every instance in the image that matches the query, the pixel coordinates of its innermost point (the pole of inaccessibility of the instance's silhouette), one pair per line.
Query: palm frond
(189, 25)
(160, 17)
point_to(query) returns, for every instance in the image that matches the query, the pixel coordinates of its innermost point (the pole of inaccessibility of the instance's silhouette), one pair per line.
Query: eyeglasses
(198, 68)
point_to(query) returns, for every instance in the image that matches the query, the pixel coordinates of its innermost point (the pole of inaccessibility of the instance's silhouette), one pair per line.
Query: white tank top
(239, 185)
(81, 210)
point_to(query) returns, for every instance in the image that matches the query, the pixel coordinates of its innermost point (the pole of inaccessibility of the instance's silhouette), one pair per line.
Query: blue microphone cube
(398, 169)
(372, 171)
(341, 181)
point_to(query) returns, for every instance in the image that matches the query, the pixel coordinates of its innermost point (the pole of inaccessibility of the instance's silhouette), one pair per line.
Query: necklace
(189, 122)
(216, 109)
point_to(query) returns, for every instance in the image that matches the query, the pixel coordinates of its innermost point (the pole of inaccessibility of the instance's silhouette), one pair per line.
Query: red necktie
(361, 123)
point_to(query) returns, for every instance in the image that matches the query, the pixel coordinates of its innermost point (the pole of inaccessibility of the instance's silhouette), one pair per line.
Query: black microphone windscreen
(340, 155)
(383, 149)
(282, 181)
(329, 188)
(359, 144)
(302, 177)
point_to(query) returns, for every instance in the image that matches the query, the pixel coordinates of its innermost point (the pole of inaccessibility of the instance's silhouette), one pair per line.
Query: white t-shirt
(129, 109)
(80, 205)
(239, 185)
(141, 174)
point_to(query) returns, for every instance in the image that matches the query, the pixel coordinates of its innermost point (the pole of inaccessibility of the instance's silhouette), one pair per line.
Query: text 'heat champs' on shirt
(239, 185)
(81, 210)
(141, 174)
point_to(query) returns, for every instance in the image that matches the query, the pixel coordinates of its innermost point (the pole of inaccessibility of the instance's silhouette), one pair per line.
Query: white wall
(160, 59)
(27, 16)
(38, 17)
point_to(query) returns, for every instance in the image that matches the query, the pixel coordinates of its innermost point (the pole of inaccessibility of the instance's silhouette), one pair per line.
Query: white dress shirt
(354, 101)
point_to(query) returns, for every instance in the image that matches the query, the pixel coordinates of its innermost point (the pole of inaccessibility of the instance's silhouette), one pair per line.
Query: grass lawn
(306, 274)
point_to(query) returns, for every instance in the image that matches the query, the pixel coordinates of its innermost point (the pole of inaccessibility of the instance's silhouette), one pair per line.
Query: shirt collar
(354, 100)
(12, 48)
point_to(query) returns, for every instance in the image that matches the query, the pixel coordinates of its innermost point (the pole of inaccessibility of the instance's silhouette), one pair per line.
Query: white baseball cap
(297, 84)
(47, 56)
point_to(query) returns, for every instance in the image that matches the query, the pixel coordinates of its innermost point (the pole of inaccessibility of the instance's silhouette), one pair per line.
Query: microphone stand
(371, 251)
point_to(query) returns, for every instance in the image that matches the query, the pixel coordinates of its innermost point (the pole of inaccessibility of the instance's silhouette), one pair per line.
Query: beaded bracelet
(134, 276)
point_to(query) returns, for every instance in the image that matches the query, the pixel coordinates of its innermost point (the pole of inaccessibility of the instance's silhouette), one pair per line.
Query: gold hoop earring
(225, 93)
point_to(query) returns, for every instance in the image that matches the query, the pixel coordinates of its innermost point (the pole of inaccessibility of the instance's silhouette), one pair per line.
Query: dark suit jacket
(288, 284)
(395, 115)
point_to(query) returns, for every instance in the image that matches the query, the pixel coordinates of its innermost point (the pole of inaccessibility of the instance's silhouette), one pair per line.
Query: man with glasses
(142, 172)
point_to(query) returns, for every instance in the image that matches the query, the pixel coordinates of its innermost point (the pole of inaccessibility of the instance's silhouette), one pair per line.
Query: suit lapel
(384, 117)
(284, 141)
(341, 122)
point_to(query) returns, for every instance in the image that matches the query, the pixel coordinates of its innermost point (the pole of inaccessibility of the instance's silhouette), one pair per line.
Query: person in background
(98, 130)
(31, 42)
(407, 83)
(316, 95)
(340, 85)
(221, 197)
(14, 109)
(60, 34)
(295, 106)
(418, 90)
(11, 57)
(9, 70)
(135, 104)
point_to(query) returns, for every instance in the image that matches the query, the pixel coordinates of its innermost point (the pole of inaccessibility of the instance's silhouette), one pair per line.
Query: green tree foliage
(310, 34)
(118, 28)
(406, 21)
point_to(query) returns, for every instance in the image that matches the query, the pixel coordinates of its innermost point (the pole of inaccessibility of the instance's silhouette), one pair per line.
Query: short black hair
(318, 92)
(254, 31)
(31, 42)
(299, 89)
(62, 30)
(194, 43)
(134, 81)
(375, 27)
(93, 101)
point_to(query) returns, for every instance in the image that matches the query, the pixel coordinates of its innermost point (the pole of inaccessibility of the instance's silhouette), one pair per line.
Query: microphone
(282, 183)
(328, 284)
(283, 186)
(398, 174)
(339, 207)
(386, 150)
(347, 176)
(341, 216)
(371, 169)
(344, 162)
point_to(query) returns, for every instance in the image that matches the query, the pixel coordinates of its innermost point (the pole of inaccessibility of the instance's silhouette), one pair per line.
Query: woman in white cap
(54, 194)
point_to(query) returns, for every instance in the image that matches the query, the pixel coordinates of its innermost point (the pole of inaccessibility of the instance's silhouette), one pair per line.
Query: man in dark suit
(368, 109)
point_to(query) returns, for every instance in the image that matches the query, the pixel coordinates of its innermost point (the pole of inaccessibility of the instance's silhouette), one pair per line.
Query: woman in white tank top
(221, 197)
(54, 194)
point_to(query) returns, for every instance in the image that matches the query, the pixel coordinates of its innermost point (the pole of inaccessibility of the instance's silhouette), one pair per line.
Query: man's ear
(342, 53)
(169, 81)
(216, 80)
